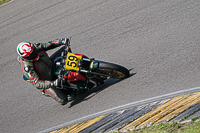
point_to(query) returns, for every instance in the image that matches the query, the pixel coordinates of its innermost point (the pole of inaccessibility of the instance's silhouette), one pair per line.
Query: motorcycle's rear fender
(89, 64)
(94, 64)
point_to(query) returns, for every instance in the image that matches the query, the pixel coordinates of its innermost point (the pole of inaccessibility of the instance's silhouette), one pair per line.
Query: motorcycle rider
(37, 66)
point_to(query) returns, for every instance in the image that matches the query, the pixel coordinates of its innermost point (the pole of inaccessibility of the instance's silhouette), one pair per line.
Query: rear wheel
(113, 70)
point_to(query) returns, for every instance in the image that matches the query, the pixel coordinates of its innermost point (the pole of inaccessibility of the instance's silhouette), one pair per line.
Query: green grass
(3, 1)
(193, 128)
(174, 127)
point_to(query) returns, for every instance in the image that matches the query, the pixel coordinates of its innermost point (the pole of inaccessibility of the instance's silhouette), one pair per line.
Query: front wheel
(113, 70)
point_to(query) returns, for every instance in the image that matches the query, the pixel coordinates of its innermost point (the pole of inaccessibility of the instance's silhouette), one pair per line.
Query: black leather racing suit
(39, 72)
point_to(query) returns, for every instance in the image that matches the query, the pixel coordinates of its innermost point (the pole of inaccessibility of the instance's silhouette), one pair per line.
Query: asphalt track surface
(158, 40)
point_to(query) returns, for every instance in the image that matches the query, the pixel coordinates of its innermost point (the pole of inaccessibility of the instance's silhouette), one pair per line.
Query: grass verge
(174, 127)
(3, 1)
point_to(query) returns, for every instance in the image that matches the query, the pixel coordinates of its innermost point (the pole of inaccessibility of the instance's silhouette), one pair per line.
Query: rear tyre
(113, 70)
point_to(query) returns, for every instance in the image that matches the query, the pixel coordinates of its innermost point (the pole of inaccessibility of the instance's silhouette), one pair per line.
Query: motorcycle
(77, 73)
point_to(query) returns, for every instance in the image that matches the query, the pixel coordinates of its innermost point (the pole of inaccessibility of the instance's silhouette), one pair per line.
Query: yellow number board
(72, 62)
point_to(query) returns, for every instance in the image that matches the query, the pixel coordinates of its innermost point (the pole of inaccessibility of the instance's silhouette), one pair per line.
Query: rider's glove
(64, 41)
(55, 83)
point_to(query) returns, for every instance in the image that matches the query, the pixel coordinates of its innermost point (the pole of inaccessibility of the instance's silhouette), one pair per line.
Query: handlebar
(61, 78)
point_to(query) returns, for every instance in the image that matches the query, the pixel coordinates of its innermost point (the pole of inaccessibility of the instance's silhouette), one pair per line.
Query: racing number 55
(72, 61)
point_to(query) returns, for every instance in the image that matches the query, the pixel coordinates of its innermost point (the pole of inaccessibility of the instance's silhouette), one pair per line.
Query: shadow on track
(91, 93)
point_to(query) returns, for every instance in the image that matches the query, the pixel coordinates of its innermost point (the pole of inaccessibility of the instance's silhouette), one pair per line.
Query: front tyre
(113, 70)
